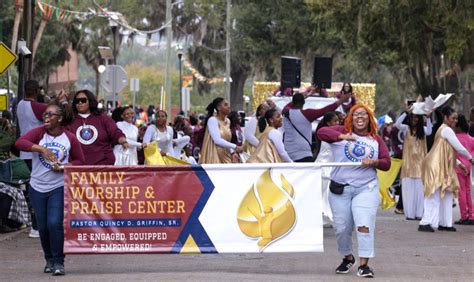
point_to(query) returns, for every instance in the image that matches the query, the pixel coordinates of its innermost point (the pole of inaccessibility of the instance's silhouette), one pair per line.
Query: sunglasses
(81, 100)
(49, 114)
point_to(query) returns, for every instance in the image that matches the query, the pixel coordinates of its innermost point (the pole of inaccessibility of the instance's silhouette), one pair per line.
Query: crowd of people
(73, 129)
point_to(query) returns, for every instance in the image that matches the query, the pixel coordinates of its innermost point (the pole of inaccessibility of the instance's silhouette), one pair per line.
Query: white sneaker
(33, 233)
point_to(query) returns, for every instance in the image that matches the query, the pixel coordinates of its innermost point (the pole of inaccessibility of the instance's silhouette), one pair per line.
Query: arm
(181, 141)
(38, 109)
(402, 127)
(313, 114)
(429, 127)
(30, 139)
(76, 156)
(383, 161)
(276, 138)
(330, 134)
(114, 132)
(450, 136)
(249, 132)
(150, 131)
(29, 143)
(213, 128)
(122, 126)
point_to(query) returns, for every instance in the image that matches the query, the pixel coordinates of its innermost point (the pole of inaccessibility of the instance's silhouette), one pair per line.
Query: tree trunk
(97, 83)
(16, 24)
(239, 76)
(38, 36)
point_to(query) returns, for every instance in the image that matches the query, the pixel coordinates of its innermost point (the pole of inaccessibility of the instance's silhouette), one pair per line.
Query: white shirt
(448, 134)
(275, 136)
(249, 131)
(164, 139)
(26, 121)
(404, 128)
(213, 128)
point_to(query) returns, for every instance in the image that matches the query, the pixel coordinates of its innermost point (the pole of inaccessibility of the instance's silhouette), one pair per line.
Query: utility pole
(227, 53)
(169, 35)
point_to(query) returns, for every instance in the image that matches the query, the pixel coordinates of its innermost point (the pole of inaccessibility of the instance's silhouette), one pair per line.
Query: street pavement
(402, 254)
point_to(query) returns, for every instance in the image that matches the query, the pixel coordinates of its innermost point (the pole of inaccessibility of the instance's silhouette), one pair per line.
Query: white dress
(127, 156)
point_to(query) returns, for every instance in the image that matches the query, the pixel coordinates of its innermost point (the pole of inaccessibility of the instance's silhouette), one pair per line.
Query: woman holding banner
(96, 131)
(270, 149)
(52, 148)
(216, 146)
(354, 196)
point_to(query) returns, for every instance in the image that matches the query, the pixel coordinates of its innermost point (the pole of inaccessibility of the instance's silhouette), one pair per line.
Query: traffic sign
(134, 85)
(7, 57)
(115, 79)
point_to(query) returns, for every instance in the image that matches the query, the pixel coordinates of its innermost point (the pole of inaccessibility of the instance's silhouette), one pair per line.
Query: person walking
(128, 156)
(216, 145)
(354, 196)
(414, 152)
(97, 132)
(439, 176)
(464, 173)
(52, 148)
(270, 149)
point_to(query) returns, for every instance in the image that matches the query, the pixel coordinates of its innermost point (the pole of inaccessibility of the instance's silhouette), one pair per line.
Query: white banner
(264, 208)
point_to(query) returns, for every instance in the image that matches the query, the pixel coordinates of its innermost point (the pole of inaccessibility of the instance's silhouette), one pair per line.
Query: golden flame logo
(266, 211)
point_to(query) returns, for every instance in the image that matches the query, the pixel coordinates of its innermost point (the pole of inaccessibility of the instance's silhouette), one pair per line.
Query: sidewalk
(403, 254)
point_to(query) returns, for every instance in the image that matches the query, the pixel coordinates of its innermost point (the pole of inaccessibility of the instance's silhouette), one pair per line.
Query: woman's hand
(49, 155)
(369, 163)
(162, 153)
(239, 149)
(57, 167)
(235, 158)
(347, 137)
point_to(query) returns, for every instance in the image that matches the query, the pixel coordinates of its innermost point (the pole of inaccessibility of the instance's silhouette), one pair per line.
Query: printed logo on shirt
(359, 150)
(58, 150)
(87, 134)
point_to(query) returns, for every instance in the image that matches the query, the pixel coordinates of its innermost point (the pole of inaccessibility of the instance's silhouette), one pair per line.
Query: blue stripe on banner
(193, 226)
(143, 222)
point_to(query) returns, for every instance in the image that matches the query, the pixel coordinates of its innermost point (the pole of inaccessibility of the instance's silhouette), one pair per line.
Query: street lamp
(114, 26)
(179, 49)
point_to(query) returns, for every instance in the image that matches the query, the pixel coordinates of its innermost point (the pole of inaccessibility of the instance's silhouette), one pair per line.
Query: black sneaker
(444, 228)
(462, 222)
(345, 265)
(425, 228)
(48, 268)
(365, 271)
(58, 269)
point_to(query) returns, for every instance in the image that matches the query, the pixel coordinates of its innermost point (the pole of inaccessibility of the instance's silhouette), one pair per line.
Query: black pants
(305, 160)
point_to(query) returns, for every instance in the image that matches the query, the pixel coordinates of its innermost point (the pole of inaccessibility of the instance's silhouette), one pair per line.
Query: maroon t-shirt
(97, 134)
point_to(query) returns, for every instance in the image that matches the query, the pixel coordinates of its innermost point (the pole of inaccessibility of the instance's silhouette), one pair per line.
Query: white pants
(413, 198)
(327, 212)
(438, 211)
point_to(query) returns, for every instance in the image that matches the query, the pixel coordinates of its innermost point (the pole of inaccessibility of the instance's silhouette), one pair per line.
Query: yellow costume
(213, 154)
(266, 151)
(438, 169)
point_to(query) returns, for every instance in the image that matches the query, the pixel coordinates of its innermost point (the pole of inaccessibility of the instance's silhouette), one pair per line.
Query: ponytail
(211, 108)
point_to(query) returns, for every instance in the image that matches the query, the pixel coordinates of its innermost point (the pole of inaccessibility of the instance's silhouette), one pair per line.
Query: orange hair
(349, 119)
